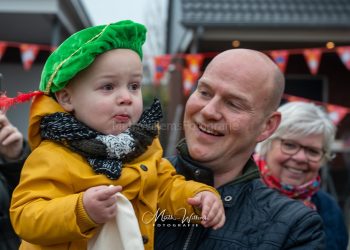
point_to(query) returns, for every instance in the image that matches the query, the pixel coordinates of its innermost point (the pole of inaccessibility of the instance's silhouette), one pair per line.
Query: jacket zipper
(187, 242)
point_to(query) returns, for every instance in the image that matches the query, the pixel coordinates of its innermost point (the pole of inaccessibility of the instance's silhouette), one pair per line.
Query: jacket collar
(193, 170)
(41, 106)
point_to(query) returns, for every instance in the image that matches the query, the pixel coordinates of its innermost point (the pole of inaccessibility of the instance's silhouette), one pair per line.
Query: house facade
(42, 23)
(208, 27)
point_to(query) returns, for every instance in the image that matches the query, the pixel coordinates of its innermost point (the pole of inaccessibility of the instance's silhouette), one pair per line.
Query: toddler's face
(107, 95)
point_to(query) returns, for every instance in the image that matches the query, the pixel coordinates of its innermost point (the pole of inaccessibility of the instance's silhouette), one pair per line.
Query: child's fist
(213, 212)
(100, 202)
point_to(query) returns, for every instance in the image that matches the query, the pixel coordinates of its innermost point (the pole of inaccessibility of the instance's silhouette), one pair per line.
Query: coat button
(197, 172)
(144, 239)
(144, 167)
(228, 198)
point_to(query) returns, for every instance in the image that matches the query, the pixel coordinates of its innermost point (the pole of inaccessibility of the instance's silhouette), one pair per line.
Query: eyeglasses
(290, 147)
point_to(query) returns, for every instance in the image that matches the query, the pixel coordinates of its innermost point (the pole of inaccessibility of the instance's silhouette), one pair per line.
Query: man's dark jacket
(257, 217)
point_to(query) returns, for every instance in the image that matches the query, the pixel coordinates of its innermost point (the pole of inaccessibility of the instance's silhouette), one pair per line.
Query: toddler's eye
(134, 86)
(107, 87)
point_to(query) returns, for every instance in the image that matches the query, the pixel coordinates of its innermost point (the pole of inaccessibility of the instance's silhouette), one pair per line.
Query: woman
(290, 160)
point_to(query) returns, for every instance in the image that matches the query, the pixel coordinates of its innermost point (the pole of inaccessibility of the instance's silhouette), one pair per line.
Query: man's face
(225, 116)
(107, 95)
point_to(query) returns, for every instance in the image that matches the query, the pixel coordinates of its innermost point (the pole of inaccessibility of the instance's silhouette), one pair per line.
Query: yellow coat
(47, 210)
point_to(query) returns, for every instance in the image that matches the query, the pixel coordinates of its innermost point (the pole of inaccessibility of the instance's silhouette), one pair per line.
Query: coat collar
(193, 170)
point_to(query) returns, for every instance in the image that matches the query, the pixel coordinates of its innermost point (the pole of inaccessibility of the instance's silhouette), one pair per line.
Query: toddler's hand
(213, 212)
(100, 202)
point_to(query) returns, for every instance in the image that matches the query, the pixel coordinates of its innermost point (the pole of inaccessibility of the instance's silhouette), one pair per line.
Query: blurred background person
(13, 151)
(291, 159)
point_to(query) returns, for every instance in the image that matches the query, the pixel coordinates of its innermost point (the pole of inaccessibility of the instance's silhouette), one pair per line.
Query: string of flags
(193, 62)
(335, 112)
(29, 52)
(312, 57)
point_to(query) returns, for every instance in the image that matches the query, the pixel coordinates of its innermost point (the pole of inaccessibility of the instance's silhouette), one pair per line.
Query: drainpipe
(169, 26)
(197, 34)
(56, 32)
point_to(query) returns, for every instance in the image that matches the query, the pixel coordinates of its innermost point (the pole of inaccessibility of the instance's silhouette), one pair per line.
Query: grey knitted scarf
(105, 153)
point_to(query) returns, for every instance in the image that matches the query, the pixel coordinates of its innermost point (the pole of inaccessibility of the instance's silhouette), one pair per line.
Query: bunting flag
(161, 64)
(292, 98)
(28, 54)
(194, 63)
(335, 112)
(280, 57)
(188, 81)
(344, 54)
(192, 72)
(3, 47)
(312, 57)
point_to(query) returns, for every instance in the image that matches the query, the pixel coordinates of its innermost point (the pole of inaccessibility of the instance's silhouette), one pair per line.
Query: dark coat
(336, 232)
(9, 178)
(257, 217)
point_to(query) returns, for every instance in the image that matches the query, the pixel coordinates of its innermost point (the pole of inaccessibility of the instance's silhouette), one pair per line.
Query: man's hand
(213, 212)
(100, 202)
(11, 140)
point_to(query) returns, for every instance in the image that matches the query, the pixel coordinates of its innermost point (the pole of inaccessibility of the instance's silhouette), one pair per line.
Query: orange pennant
(3, 47)
(52, 49)
(292, 98)
(189, 80)
(194, 62)
(344, 54)
(28, 54)
(161, 64)
(336, 113)
(281, 58)
(312, 57)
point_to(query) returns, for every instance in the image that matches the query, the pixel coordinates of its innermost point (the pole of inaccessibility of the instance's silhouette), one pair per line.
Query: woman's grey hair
(302, 119)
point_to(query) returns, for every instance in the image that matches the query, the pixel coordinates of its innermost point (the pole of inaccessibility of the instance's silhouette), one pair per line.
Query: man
(232, 109)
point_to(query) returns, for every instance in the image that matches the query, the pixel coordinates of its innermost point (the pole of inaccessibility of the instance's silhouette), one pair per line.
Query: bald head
(232, 109)
(256, 68)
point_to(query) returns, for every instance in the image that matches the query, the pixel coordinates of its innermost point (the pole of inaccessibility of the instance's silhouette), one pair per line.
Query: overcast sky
(106, 11)
(151, 13)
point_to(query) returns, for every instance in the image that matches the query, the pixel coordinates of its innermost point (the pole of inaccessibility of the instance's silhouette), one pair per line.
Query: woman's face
(295, 169)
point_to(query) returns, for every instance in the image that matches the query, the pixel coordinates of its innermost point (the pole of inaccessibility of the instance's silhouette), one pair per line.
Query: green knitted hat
(79, 50)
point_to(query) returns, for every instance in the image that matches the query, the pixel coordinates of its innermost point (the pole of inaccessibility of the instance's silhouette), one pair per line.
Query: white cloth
(120, 233)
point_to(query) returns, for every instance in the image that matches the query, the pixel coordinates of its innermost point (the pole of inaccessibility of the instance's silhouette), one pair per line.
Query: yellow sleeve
(83, 219)
(45, 208)
(174, 191)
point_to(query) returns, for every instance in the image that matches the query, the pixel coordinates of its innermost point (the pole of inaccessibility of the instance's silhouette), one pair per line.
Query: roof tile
(299, 13)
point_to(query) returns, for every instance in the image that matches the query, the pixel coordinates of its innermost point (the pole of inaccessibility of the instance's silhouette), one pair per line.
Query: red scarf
(303, 192)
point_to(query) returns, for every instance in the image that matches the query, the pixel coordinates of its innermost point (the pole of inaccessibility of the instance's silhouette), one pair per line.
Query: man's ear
(64, 99)
(270, 126)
